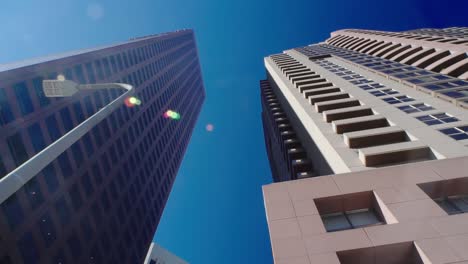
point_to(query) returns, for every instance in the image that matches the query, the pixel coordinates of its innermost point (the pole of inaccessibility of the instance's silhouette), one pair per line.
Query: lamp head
(59, 88)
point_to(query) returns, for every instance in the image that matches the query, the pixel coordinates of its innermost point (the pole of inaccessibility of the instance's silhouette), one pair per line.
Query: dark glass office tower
(101, 200)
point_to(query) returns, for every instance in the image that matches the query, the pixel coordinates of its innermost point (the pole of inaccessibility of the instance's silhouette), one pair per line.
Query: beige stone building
(367, 137)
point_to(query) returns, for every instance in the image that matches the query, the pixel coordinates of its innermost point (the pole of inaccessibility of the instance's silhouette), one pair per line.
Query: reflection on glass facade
(101, 200)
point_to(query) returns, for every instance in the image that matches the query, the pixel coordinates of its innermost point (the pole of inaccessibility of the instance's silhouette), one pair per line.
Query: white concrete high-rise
(372, 126)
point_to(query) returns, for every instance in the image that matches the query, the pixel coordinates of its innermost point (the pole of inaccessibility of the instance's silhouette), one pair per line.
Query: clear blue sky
(215, 212)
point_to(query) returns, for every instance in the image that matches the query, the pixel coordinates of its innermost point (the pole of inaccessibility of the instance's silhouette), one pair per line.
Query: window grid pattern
(380, 90)
(429, 80)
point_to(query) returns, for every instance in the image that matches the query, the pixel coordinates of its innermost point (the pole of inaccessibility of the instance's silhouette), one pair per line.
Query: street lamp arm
(14, 180)
(125, 86)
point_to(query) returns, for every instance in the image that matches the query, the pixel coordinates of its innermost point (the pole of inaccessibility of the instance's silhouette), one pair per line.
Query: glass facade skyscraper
(101, 200)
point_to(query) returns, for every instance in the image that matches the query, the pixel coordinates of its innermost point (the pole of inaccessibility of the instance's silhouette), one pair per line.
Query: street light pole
(14, 180)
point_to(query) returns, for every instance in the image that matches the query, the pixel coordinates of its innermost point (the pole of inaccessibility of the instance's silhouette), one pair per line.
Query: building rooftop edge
(51, 57)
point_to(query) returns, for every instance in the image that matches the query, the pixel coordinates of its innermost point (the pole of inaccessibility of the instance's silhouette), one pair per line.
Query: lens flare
(132, 101)
(172, 115)
(209, 127)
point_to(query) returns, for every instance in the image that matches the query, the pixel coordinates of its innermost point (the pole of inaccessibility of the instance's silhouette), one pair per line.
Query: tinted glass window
(97, 99)
(63, 211)
(78, 112)
(65, 166)
(97, 173)
(34, 193)
(113, 64)
(119, 62)
(37, 84)
(3, 170)
(66, 119)
(90, 72)
(75, 197)
(68, 74)
(74, 245)
(89, 106)
(105, 163)
(107, 69)
(23, 98)
(77, 153)
(36, 136)
(105, 201)
(50, 178)
(13, 212)
(60, 257)
(17, 149)
(52, 127)
(88, 145)
(97, 136)
(6, 115)
(47, 229)
(96, 212)
(79, 74)
(105, 129)
(87, 228)
(27, 248)
(87, 184)
(98, 66)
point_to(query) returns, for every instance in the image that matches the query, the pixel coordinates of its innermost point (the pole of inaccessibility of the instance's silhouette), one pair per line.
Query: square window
(450, 195)
(349, 211)
(404, 252)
